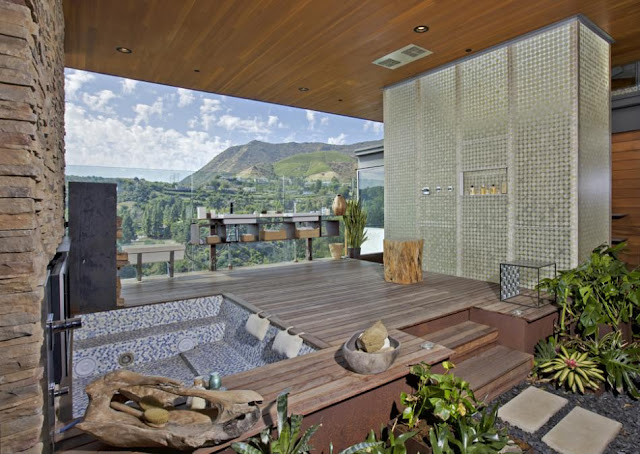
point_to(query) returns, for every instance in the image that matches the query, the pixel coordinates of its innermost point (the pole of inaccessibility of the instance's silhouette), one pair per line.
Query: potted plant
(355, 220)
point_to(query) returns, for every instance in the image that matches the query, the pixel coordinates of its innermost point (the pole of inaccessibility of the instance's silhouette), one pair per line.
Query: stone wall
(31, 205)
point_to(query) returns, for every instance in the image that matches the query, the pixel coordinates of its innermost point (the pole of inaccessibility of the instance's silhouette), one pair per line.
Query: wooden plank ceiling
(266, 49)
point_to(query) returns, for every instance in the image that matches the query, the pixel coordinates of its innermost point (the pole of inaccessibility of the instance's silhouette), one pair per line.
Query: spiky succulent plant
(575, 370)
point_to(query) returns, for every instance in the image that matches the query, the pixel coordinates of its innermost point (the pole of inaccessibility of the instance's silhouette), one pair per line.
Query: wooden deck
(325, 298)
(329, 300)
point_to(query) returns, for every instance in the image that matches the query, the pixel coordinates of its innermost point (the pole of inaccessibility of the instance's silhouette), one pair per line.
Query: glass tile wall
(514, 109)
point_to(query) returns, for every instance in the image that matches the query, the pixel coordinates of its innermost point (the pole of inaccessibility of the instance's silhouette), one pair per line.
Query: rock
(156, 416)
(373, 339)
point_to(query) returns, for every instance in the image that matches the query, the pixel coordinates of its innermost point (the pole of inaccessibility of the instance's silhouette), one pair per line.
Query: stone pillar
(31, 206)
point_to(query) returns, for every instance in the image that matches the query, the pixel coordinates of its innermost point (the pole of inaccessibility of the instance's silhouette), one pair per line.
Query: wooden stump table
(403, 261)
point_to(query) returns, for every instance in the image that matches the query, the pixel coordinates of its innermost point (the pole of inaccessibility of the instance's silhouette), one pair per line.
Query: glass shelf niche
(494, 181)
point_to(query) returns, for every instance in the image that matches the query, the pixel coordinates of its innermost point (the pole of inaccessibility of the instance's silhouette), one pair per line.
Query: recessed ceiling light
(421, 29)
(468, 50)
(303, 88)
(124, 50)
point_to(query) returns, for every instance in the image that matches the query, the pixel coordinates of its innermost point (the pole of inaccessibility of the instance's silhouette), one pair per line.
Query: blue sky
(111, 121)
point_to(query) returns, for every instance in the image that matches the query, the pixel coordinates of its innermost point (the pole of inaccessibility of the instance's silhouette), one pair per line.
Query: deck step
(495, 371)
(466, 339)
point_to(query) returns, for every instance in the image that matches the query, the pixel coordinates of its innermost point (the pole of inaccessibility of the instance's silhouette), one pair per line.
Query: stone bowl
(369, 363)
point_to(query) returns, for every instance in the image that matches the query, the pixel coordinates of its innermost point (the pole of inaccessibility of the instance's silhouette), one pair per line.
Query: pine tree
(128, 229)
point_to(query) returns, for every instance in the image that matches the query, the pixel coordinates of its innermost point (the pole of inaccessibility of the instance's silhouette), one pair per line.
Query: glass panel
(371, 196)
(624, 77)
(157, 208)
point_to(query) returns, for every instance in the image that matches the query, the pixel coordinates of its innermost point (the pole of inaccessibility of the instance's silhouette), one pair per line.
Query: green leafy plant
(480, 436)
(288, 441)
(545, 351)
(364, 447)
(574, 369)
(618, 360)
(439, 397)
(439, 436)
(470, 435)
(388, 443)
(601, 291)
(355, 221)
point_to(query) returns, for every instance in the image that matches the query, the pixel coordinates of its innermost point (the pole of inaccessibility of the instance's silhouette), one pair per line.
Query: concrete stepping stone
(582, 432)
(531, 409)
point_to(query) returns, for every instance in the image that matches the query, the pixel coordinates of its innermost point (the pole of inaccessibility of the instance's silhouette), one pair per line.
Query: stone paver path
(580, 432)
(531, 409)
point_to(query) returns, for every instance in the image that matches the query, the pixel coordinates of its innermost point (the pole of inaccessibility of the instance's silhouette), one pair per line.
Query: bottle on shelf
(472, 190)
(504, 187)
(483, 190)
(493, 190)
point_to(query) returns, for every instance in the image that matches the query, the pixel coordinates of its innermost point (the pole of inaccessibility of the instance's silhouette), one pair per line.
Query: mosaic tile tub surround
(180, 340)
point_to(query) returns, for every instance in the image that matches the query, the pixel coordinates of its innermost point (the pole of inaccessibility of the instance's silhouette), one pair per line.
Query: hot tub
(179, 340)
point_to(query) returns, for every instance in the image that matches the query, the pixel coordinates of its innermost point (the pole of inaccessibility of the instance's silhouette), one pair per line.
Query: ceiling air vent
(402, 56)
(388, 62)
(414, 51)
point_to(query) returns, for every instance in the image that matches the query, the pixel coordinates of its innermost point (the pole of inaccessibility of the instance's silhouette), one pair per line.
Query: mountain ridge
(257, 157)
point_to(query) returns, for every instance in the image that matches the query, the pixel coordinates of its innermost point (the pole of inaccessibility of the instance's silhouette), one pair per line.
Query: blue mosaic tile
(132, 318)
(174, 367)
(146, 332)
(105, 358)
(177, 340)
(217, 357)
(254, 351)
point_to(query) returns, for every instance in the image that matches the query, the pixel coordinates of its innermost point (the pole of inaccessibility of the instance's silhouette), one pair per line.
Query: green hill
(256, 159)
(308, 164)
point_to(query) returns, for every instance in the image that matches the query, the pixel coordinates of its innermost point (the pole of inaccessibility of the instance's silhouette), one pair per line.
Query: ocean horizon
(160, 175)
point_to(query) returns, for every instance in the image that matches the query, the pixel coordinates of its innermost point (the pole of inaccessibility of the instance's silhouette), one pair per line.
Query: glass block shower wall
(400, 204)
(594, 166)
(513, 146)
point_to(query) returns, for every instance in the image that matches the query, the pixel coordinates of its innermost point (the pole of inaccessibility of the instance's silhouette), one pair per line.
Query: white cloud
(311, 118)
(324, 121)
(253, 125)
(373, 126)
(185, 97)
(74, 80)
(99, 102)
(144, 112)
(128, 86)
(273, 120)
(193, 122)
(207, 109)
(338, 140)
(210, 105)
(99, 141)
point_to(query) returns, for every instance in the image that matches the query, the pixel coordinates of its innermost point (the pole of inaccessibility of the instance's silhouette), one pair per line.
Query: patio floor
(331, 299)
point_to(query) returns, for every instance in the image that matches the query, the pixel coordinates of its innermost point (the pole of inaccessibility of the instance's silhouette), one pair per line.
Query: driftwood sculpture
(108, 418)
